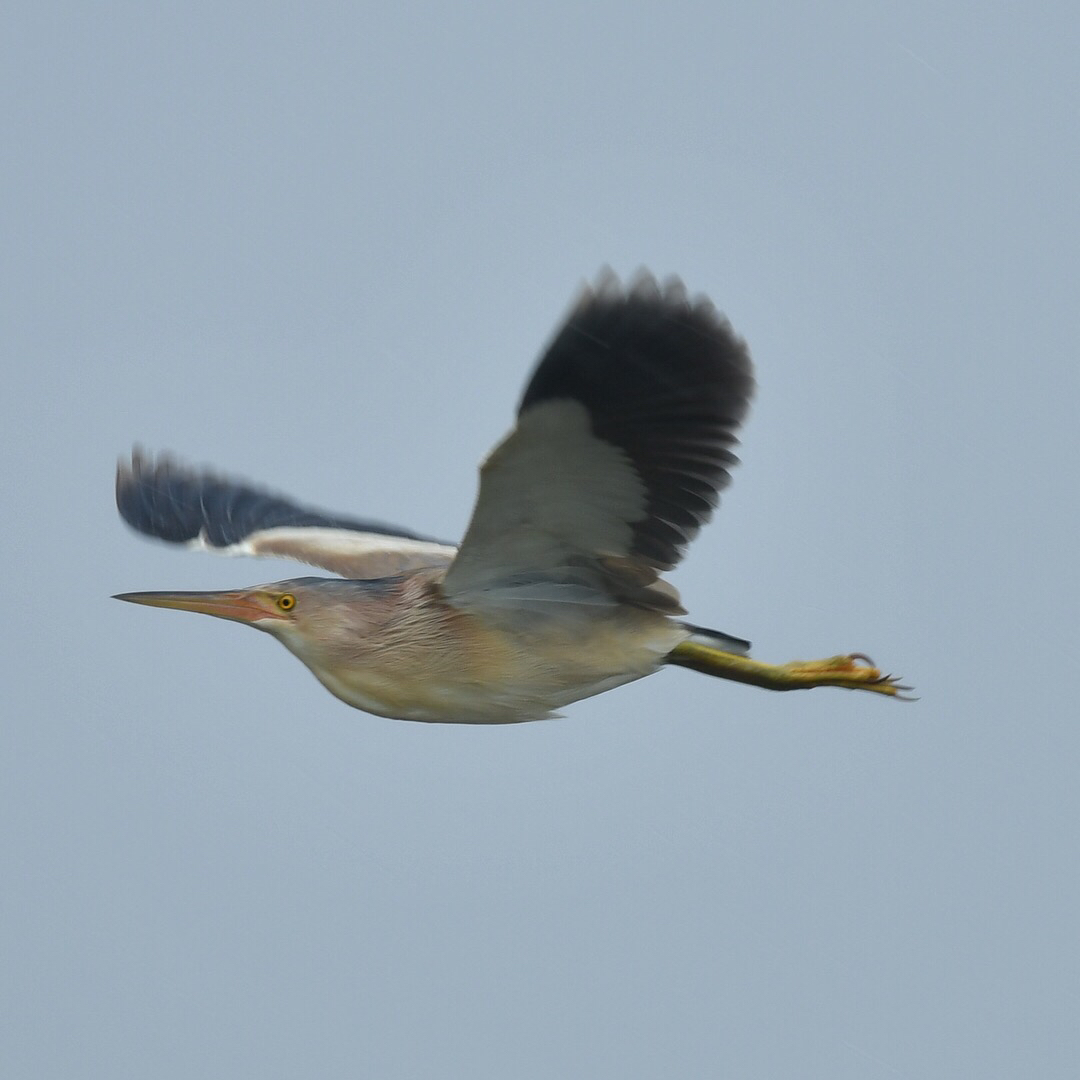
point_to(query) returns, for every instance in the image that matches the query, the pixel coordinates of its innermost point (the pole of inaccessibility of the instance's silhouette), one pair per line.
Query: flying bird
(622, 443)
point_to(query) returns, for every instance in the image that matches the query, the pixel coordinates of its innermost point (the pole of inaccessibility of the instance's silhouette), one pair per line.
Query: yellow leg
(852, 672)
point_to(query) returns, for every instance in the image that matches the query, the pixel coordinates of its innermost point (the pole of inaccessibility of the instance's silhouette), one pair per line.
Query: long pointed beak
(245, 607)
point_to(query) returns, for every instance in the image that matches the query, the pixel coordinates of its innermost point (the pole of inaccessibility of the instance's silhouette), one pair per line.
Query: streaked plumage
(623, 441)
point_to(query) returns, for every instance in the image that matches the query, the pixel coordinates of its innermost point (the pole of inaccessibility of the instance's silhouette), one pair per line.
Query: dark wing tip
(164, 499)
(631, 341)
(159, 498)
(665, 378)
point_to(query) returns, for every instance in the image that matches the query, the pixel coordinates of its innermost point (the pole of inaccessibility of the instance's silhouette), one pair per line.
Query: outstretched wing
(623, 440)
(182, 506)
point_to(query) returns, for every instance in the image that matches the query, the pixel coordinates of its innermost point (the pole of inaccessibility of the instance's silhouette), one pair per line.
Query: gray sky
(320, 246)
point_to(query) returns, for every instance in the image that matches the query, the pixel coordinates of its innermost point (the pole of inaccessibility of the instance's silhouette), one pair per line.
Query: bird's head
(318, 619)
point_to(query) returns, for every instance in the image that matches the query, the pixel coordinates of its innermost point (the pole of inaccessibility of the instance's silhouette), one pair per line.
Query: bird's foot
(855, 671)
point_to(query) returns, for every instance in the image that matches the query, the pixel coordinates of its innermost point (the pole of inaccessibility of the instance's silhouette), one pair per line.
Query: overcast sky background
(320, 246)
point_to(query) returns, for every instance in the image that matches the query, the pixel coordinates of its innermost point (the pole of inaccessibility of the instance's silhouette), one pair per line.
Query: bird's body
(413, 656)
(623, 441)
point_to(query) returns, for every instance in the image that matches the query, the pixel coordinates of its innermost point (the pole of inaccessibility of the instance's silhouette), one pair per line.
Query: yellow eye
(286, 602)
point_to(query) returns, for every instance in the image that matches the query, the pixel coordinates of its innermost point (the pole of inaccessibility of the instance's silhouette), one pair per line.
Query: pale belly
(502, 677)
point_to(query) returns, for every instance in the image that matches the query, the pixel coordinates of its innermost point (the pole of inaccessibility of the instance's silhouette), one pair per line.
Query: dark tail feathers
(717, 640)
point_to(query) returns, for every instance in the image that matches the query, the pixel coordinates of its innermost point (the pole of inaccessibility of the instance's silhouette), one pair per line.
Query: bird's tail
(713, 653)
(711, 639)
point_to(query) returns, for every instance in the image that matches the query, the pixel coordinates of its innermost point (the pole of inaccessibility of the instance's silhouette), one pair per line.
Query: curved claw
(903, 692)
(852, 671)
(891, 685)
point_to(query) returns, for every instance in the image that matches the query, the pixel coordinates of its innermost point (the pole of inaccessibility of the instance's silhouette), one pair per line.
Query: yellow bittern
(623, 440)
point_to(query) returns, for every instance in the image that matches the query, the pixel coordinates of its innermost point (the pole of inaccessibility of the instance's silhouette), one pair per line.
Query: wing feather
(182, 506)
(623, 442)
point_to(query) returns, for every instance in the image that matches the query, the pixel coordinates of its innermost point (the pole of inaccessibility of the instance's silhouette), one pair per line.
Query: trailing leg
(851, 672)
